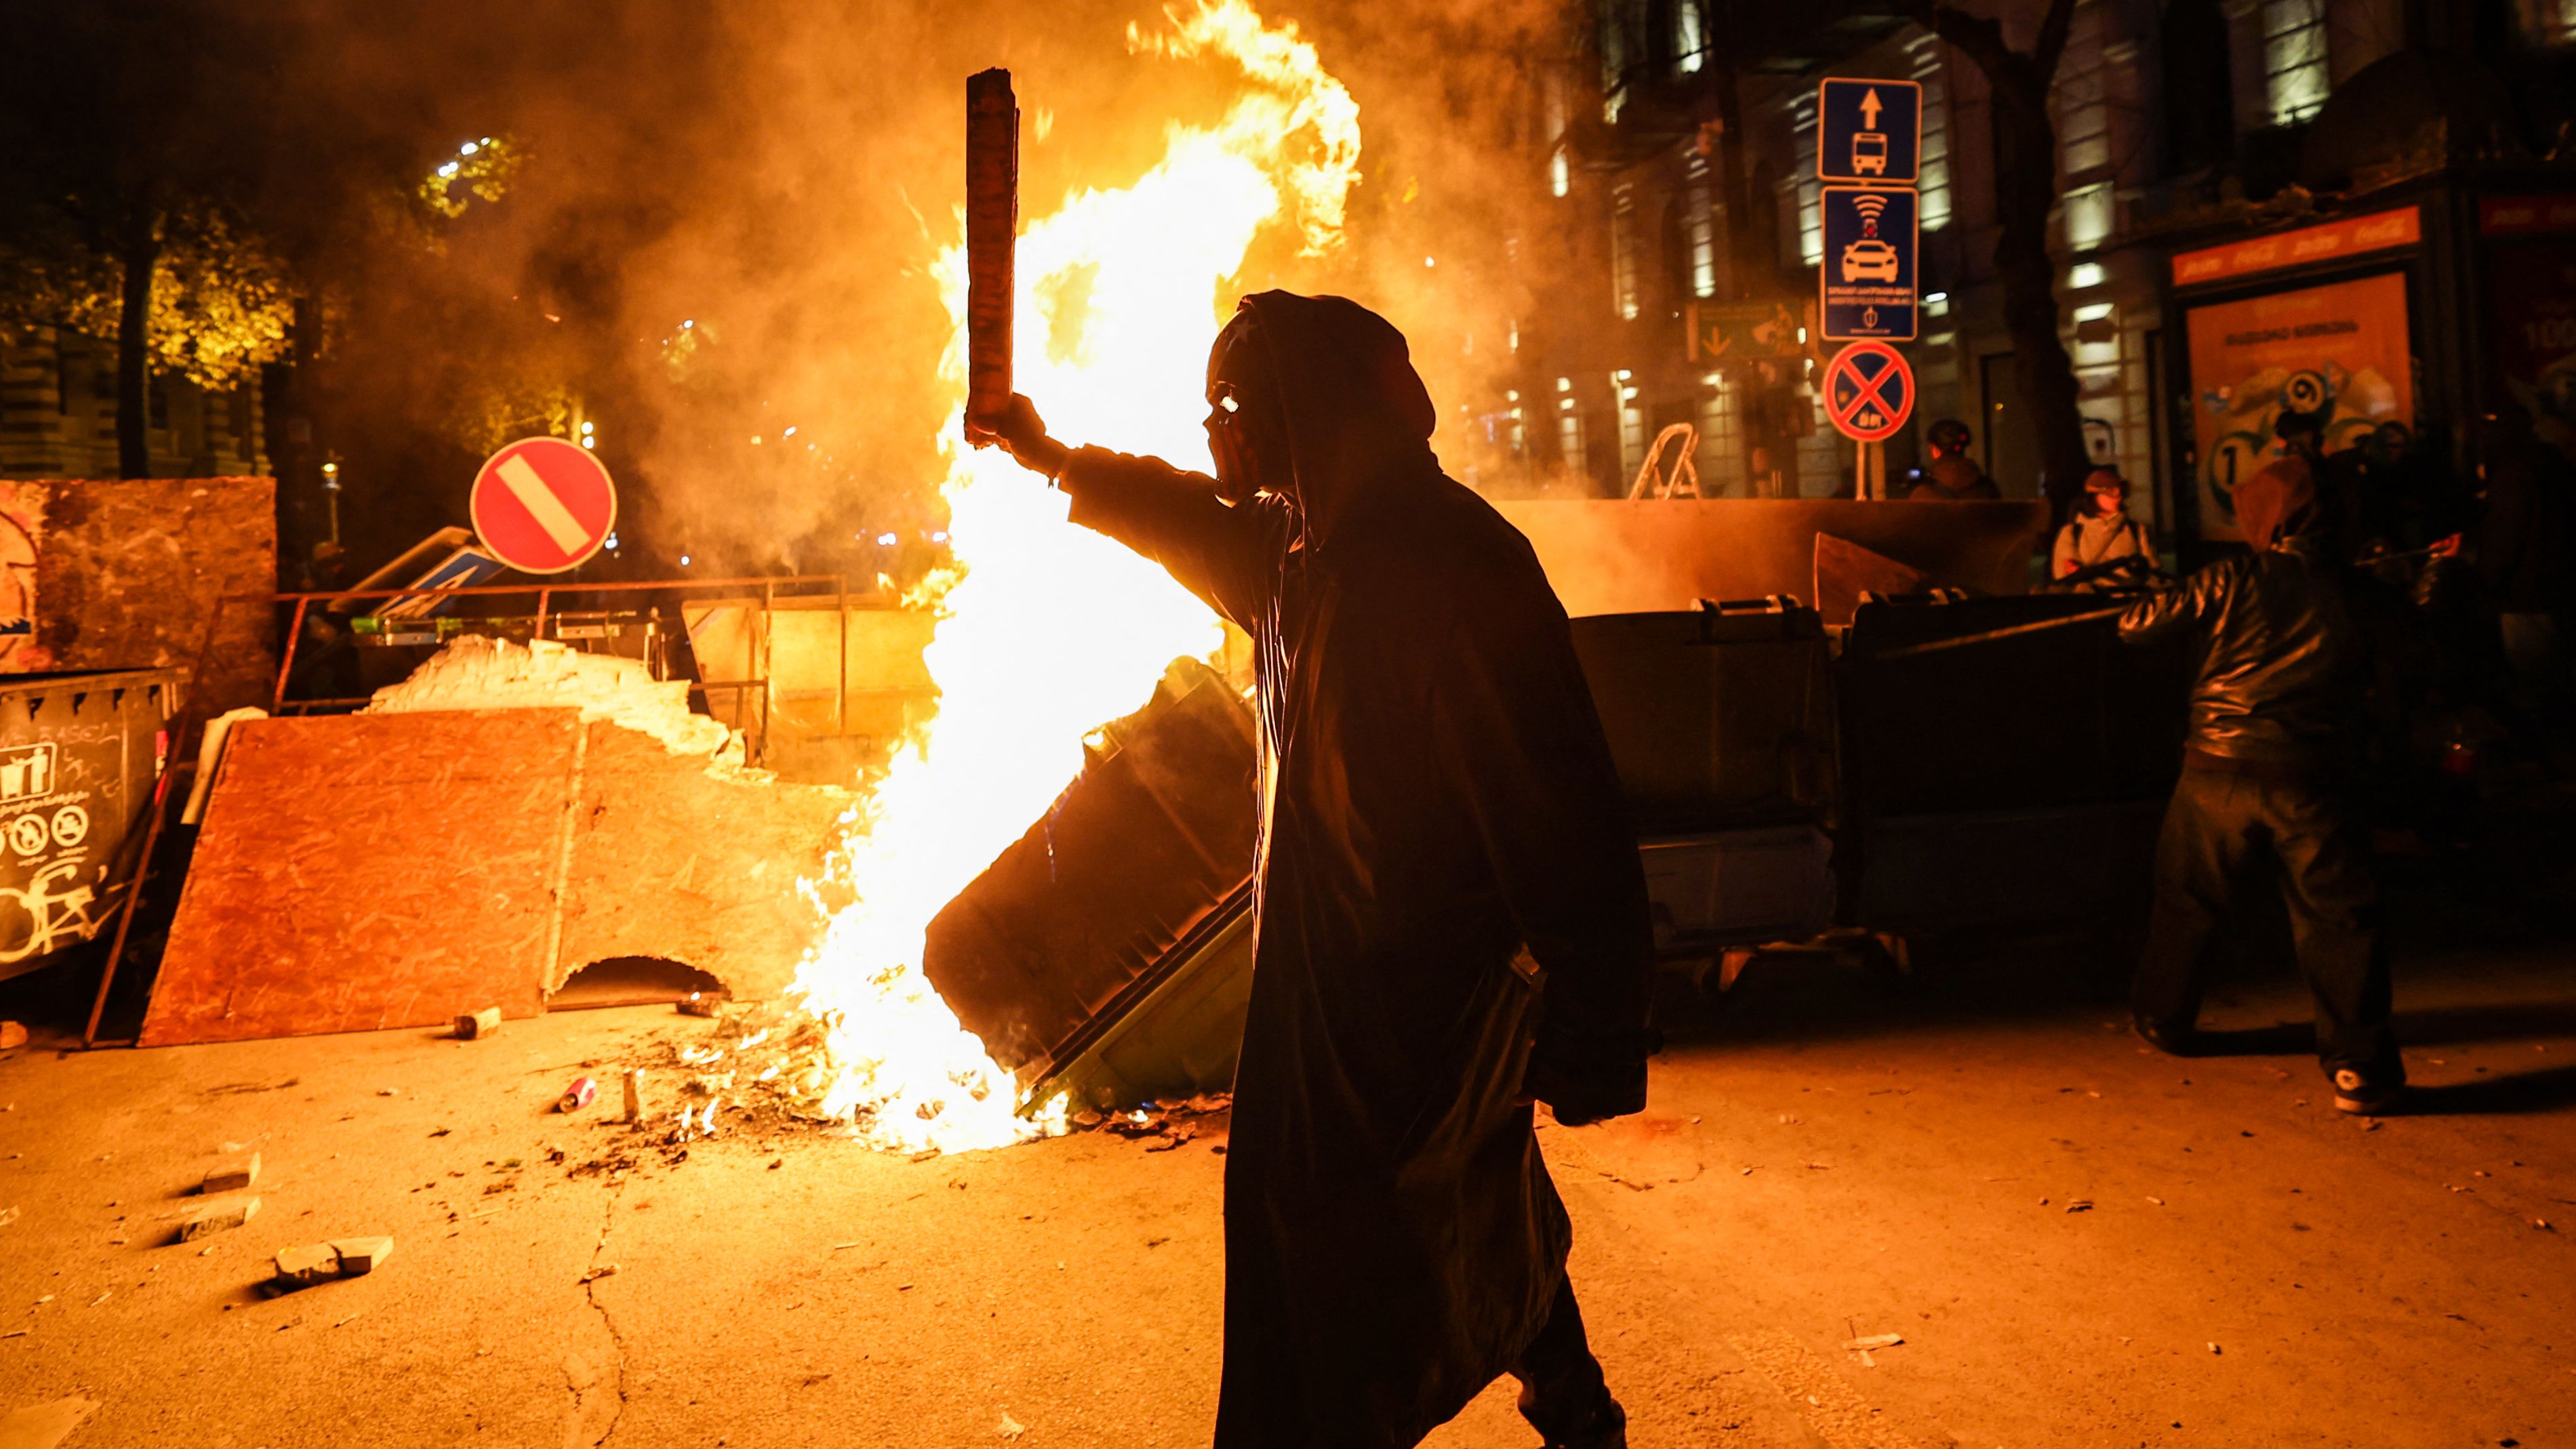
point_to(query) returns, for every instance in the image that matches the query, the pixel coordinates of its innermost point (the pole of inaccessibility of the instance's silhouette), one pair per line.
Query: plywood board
(368, 871)
(1845, 571)
(672, 861)
(124, 574)
(1621, 557)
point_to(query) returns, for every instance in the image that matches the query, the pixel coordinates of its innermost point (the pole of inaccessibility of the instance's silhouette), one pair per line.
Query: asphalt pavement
(2078, 1241)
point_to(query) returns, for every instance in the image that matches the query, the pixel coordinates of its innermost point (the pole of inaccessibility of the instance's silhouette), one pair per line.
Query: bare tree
(2025, 154)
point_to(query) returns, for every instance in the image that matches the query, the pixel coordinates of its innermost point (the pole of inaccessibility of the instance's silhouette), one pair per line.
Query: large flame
(1052, 630)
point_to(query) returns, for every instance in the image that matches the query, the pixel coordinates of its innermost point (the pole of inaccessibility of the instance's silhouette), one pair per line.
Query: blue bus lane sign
(1868, 275)
(1869, 132)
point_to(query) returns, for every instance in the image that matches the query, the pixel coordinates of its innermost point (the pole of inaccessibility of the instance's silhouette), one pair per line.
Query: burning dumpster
(1107, 952)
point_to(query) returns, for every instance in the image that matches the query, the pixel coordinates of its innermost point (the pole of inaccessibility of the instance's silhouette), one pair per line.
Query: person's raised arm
(1171, 515)
(2169, 611)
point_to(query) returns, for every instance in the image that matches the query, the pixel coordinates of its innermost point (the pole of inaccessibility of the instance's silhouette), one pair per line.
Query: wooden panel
(1845, 571)
(371, 871)
(1617, 557)
(671, 861)
(124, 575)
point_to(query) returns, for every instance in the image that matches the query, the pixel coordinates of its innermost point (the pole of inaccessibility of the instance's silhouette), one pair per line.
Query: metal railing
(300, 606)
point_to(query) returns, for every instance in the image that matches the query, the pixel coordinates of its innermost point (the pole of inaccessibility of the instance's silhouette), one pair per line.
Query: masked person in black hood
(1452, 916)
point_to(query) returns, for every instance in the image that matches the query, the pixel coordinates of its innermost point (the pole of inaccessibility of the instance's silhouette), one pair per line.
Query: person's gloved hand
(1019, 431)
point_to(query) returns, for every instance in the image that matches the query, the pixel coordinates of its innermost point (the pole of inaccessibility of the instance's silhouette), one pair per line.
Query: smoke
(722, 231)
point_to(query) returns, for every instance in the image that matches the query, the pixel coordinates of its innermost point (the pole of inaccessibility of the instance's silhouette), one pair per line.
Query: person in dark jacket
(1952, 476)
(2526, 552)
(2276, 714)
(1452, 914)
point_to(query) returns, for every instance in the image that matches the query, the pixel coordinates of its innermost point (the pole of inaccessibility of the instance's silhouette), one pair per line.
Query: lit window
(1721, 439)
(1802, 187)
(1632, 426)
(2549, 22)
(1700, 198)
(2091, 213)
(1560, 175)
(1614, 60)
(2294, 59)
(2083, 98)
(1935, 171)
(1687, 43)
(1623, 252)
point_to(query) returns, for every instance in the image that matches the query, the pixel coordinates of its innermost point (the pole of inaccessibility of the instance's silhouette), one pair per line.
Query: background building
(2366, 206)
(58, 414)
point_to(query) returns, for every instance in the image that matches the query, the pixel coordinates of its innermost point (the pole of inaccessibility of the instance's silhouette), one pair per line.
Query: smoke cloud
(723, 229)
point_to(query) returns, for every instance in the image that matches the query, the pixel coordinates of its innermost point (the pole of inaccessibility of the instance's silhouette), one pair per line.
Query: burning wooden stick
(992, 230)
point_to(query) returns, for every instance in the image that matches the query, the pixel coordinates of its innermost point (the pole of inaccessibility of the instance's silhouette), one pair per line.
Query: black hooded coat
(1436, 796)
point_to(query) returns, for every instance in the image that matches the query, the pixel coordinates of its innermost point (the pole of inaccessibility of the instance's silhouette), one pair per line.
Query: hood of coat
(1358, 418)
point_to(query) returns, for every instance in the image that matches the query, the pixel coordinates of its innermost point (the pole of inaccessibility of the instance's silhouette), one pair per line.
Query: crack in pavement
(617, 1342)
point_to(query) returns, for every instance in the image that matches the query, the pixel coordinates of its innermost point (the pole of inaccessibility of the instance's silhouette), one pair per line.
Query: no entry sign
(543, 505)
(1869, 391)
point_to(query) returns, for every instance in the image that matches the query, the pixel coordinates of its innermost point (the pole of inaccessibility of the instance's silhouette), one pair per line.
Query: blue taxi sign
(1868, 273)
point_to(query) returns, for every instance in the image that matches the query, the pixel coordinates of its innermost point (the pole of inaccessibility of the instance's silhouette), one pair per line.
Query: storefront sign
(2526, 215)
(2339, 349)
(2350, 237)
(2531, 324)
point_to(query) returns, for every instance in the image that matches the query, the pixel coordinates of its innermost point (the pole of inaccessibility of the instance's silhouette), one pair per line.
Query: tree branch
(2053, 29)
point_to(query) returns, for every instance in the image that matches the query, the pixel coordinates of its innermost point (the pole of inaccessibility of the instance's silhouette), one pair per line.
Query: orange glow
(1047, 631)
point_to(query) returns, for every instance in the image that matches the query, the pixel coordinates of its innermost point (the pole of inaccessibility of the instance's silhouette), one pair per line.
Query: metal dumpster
(2013, 782)
(80, 756)
(1721, 723)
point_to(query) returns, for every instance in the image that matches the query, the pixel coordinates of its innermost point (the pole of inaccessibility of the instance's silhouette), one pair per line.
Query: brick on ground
(214, 1217)
(311, 1263)
(361, 1256)
(236, 1175)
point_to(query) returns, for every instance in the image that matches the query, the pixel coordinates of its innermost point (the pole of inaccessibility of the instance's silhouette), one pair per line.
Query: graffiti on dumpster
(51, 867)
(39, 917)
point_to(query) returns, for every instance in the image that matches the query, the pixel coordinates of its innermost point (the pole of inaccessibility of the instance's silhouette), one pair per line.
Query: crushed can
(578, 1095)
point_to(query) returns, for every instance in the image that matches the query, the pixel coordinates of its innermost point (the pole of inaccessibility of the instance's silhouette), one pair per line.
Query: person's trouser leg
(1563, 1394)
(2334, 919)
(2197, 856)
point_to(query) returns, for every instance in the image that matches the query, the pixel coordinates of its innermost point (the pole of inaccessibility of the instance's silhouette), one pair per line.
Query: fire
(1049, 631)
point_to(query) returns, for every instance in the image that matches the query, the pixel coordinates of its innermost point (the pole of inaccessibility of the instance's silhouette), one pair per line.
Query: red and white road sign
(1868, 391)
(543, 505)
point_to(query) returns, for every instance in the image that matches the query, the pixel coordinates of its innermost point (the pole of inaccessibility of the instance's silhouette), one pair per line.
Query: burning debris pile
(765, 1072)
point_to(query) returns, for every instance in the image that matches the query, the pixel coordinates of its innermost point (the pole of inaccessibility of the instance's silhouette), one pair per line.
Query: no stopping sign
(1868, 391)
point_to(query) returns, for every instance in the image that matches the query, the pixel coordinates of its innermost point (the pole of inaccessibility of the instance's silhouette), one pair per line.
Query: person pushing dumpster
(1452, 915)
(2268, 772)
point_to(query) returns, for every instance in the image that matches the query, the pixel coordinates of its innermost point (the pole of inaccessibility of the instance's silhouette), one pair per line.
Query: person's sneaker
(2358, 1093)
(2173, 1041)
